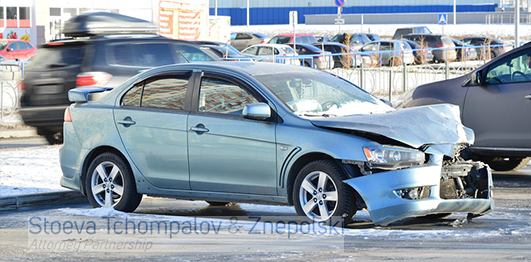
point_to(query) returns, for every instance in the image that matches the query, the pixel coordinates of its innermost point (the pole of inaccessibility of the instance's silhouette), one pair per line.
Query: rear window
(140, 55)
(58, 56)
(193, 53)
(280, 40)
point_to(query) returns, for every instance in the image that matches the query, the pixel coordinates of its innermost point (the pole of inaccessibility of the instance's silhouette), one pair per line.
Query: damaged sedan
(268, 133)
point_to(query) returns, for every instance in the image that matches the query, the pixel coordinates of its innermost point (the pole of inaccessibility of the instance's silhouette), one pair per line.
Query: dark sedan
(487, 47)
(343, 56)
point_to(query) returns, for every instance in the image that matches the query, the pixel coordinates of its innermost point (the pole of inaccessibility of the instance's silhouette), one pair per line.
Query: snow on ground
(505, 31)
(29, 170)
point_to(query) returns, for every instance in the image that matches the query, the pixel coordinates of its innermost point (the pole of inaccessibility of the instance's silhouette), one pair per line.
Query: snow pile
(29, 170)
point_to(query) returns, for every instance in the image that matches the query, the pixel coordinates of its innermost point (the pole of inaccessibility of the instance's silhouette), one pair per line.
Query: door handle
(527, 97)
(126, 122)
(200, 128)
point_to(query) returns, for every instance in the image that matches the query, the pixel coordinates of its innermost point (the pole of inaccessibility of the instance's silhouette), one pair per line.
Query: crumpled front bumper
(385, 206)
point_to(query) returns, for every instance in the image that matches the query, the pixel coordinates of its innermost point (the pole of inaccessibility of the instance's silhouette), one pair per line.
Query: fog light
(414, 193)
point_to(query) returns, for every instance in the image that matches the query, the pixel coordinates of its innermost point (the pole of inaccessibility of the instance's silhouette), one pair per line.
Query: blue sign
(339, 3)
(443, 19)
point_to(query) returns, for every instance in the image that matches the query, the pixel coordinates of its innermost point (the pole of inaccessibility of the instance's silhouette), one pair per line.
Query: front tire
(110, 183)
(506, 164)
(319, 193)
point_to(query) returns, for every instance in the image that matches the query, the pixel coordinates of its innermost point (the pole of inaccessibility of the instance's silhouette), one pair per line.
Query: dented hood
(416, 126)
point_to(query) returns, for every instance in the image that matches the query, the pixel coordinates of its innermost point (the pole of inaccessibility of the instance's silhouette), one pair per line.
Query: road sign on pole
(443, 19)
(339, 3)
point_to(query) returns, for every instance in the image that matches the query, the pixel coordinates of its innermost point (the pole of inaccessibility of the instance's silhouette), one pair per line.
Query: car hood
(416, 126)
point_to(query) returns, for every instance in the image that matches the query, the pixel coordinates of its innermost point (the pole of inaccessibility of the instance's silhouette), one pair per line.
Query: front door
(227, 152)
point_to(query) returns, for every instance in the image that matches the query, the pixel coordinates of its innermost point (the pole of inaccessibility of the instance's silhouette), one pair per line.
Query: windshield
(322, 94)
(280, 40)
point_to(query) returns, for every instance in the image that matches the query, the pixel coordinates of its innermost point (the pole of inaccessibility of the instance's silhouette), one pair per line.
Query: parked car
(288, 39)
(104, 60)
(389, 52)
(494, 102)
(274, 53)
(487, 47)
(442, 46)
(269, 133)
(223, 50)
(464, 52)
(373, 37)
(322, 39)
(343, 56)
(242, 40)
(401, 32)
(422, 55)
(355, 41)
(313, 56)
(19, 50)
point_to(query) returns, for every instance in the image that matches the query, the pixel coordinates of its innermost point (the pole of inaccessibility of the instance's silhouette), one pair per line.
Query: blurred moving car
(443, 46)
(223, 50)
(273, 53)
(464, 52)
(389, 52)
(422, 55)
(242, 40)
(401, 32)
(495, 102)
(221, 132)
(342, 55)
(99, 57)
(487, 47)
(316, 58)
(12, 49)
(323, 39)
(354, 41)
(288, 39)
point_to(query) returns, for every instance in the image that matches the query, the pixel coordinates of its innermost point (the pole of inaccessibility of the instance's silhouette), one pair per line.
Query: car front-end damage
(415, 168)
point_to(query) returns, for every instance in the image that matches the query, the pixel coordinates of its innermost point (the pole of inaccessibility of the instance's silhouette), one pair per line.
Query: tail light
(67, 117)
(93, 79)
(263, 41)
(441, 46)
(22, 86)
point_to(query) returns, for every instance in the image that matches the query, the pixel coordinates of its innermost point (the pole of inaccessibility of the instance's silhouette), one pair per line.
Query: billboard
(184, 19)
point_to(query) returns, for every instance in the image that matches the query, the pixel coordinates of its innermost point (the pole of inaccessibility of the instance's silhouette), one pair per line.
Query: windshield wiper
(318, 115)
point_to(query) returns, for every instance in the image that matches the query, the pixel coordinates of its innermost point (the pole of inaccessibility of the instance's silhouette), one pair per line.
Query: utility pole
(516, 23)
(455, 11)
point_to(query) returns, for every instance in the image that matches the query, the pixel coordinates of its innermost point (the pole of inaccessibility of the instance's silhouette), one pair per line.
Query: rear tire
(506, 164)
(54, 138)
(109, 182)
(319, 193)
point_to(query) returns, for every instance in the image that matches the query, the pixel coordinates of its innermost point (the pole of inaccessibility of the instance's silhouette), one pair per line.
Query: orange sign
(184, 19)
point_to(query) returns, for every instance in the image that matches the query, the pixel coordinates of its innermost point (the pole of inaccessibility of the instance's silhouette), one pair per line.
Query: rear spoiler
(82, 94)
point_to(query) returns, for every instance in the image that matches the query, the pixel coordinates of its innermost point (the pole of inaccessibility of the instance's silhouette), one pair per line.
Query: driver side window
(511, 70)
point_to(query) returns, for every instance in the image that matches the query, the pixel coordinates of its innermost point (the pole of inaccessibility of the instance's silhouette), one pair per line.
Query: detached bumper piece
(450, 187)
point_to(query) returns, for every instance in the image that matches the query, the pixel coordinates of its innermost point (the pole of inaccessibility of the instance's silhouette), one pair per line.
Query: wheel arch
(92, 155)
(310, 157)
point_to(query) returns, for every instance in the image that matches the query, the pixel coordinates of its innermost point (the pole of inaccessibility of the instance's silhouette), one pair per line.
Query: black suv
(98, 57)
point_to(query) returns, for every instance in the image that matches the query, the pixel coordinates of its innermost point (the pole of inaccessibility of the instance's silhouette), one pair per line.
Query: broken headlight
(392, 158)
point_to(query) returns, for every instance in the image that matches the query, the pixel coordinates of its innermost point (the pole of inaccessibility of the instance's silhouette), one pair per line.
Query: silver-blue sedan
(268, 133)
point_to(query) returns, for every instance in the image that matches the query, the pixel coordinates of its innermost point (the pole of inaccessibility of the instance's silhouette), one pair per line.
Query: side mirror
(257, 111)
(475, 78)
(9, 49)
(387, 102)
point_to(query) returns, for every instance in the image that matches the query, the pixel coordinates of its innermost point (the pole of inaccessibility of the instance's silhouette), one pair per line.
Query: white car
(274, 53)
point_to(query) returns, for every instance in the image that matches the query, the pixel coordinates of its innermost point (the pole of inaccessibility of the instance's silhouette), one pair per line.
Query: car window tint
(141, 55)
(385, 46)
(251, 50)
(280, 40)
(133, 96)
(243, 36)
(511, 70)
(193, 54)
(265, 50)
(165, 93)
(224, 97)
(64, 55)
(15, 46)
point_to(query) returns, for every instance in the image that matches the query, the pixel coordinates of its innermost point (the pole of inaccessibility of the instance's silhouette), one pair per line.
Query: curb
(20, 133)
(41, 199)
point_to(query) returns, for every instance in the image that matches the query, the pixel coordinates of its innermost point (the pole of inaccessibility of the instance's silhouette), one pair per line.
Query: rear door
(152, 121)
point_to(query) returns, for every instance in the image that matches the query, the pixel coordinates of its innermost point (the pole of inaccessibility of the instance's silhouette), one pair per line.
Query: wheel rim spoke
(331, 196)
(118, 189)
(101, 172)
(308, 207)
(322, 180)
(115, 170)
(324, 211)
(108, 198)
(97, 189)
(308, 186)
